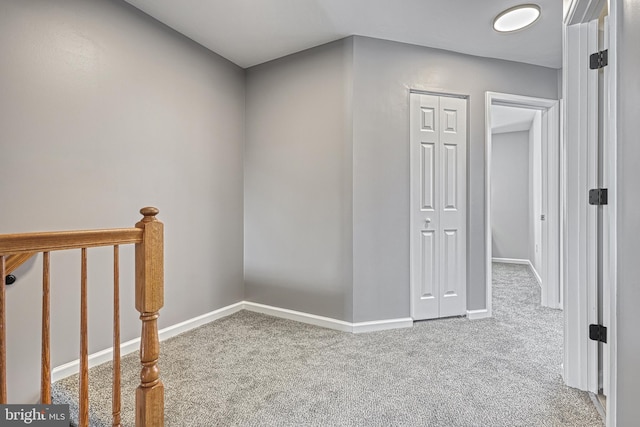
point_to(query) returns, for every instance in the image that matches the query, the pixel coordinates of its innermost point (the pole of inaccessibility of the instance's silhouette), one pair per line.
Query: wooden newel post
(149, 300)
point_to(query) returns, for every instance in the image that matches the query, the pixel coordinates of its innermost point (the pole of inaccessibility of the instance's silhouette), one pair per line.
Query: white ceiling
(511, 119)
(250, 32)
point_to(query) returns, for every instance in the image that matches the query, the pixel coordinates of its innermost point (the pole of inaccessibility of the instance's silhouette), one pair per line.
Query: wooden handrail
(63, 240)
(16, 260)
(147, 236)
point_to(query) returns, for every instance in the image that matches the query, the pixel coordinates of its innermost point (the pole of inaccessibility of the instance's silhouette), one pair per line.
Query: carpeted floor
(254, 370)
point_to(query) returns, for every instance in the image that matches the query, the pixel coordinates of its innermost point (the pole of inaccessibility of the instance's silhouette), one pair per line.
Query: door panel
(450, 121)
(450, 175)
(438, 206)
(429, 267)
(450, 277)
(453, 211)
(428, 119)
(425, 195)
(428, 178)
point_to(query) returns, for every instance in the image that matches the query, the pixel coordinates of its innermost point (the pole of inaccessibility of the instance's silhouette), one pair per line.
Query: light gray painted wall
(510, 204)
(103, 111)
(628, 205)
(298, 186)
(384, 72)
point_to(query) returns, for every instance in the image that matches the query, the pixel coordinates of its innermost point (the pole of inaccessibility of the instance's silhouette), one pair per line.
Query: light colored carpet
(254, 370)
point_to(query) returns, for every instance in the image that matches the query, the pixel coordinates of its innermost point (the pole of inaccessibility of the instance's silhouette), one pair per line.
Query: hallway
(254, 370)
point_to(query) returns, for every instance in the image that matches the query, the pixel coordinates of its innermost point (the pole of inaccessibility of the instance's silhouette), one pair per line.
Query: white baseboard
(73, 367)
(187, 325)
(95, 359)
(382, 325)
(511, 260)
(327, 322)
(478, 314)
(299, 316)
(535, 274)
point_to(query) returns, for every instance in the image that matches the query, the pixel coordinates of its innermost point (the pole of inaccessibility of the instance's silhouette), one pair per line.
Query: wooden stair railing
(15, 261)
(149, 283)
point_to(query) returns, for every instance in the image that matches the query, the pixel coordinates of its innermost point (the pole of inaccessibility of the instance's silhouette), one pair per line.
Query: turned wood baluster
(3, 340)
(83, 416)
(45, 362)
(116, 394)
(149, 300)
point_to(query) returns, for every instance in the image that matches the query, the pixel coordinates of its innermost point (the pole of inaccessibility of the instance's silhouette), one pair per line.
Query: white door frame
(577, 370)
(551, 284)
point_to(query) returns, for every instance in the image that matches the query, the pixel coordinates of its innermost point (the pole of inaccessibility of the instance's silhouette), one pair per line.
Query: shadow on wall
(282, 294)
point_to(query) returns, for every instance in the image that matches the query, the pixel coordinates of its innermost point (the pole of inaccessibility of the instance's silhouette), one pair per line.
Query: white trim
(327, 322)
(187, 325)
(299, 316)
(582, 11)
(382, 325)
(598, 406)
(447, 94)
(98, 358)
(581, 97)
(612, 153)
(511, 261)
(551, 283)
(575, 335)
(535, 274)
(562, 228)
(488, 275)
(477, 314)
(590, 232)
(73, 367)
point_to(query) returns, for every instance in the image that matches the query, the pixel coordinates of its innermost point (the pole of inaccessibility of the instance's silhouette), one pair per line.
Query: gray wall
(298, 182)
(384, 72)
(628, 205)
(338, 166)
(510, 204)
(102, 111)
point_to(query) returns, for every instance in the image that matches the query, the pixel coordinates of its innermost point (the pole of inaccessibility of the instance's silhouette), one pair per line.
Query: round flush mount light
(516, 18)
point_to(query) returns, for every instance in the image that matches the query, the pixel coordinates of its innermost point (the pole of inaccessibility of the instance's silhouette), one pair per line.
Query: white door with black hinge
(438, 146)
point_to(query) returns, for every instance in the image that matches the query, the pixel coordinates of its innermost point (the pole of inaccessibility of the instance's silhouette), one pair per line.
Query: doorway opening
(516, 187)
(539, 117)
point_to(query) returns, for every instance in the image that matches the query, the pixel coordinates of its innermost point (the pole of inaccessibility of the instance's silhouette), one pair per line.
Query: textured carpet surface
(254, 370)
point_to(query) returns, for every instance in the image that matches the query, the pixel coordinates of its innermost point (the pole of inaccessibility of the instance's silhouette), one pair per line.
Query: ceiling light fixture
(516, 18)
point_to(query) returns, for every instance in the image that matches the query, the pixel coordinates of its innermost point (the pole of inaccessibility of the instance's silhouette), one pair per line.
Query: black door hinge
(599, 59)
(598, 196)
(598, 333)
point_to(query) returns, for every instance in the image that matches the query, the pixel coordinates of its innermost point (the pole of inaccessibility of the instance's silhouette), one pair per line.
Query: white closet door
(438, 206)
